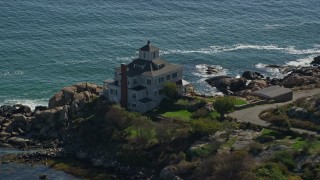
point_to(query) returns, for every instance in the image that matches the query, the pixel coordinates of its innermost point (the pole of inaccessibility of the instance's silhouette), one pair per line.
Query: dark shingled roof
(145, 100)
(152, 68)
(149, 48)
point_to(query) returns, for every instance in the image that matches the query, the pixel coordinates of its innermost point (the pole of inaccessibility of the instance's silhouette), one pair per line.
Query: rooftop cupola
(149, 52)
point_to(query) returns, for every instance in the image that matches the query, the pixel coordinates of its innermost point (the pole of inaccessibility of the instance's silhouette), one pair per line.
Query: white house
(138, 85)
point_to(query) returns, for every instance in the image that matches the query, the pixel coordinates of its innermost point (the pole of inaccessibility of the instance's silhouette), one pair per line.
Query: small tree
(224, 105)
(280, 122)
(170, 89)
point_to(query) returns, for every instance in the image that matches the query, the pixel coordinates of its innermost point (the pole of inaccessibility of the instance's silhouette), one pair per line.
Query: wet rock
(227, 84)
(292, 81)
(211, 70)
(316, 61)
(19, 108)
(275, 81)
(43, 176)
(255, 85)
(252, 75)
(40, 108)
(273, 66)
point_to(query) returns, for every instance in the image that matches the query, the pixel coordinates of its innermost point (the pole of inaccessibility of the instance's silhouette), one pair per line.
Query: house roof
(152, 68)
(149, 48)
(272, 91)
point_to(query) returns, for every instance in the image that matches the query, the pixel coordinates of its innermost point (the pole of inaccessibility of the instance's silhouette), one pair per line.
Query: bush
(200, 113)
(265, 138)
(224, 105)
(286, 159)
(281, 122)
(255, 149)
(272, 171)
(204, 127)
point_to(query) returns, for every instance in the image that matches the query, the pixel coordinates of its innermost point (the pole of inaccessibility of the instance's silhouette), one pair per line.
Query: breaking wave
(200, 71)
(273, 72)
(219, 49)
(32, 103)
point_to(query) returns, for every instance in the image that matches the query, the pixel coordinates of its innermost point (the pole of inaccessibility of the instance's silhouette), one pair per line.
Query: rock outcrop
(316, 61)
(252, 75)
(19, 126)
(227, 84)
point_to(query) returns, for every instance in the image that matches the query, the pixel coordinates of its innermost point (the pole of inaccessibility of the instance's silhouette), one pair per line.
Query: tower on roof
(149, 52)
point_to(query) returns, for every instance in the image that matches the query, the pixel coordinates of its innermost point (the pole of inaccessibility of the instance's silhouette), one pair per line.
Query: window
(144, 55)
(154, 55)
(148, 81)
(160, 91)
(111, 91)
(134, 95)
(174, 75)
(147, 93)
(161, 79)
(116, 92)
(155, 93)
(168, 77)
(135, 81)
(155, 81)
(134, 105)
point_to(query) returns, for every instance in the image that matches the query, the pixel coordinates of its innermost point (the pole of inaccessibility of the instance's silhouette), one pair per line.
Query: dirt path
(251, 114)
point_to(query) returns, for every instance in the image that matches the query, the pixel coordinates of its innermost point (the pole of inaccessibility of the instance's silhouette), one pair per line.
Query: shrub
(286, 159)
(224, 105)
(265, 138)
(255, 149)
(170, 89)
(203, 127)
(200, 113)
(272, 171)
(281, 122)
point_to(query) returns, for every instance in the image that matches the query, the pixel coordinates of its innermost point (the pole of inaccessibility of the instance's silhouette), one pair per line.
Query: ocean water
(46, 45)
(13, 171)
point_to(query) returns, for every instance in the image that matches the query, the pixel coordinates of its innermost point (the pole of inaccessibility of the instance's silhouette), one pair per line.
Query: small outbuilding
(275, 93)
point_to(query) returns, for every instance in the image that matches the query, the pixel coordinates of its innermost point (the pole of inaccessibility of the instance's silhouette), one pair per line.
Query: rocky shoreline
(50, 129)
(294, 77)
(54, 129)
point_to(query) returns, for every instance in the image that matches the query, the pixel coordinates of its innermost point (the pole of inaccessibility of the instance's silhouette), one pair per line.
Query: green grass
(229, 143)
(181, 114)
(214, 115)
(239, 102)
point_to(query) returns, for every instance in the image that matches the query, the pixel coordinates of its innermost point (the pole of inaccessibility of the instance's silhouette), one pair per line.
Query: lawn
(181, 114)
(240, 102)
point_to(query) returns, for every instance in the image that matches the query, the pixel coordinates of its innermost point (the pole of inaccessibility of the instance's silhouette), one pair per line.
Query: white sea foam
(273, 72)
(236, 47)
(301, 62)
(200, 71)
(11, 73)
(32, 103)
(75, 62)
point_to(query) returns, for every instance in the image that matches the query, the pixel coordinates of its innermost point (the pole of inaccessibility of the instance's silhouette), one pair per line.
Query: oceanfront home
(138, 86)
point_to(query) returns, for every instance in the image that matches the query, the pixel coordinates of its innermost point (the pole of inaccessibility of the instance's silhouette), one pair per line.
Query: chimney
(124, 86)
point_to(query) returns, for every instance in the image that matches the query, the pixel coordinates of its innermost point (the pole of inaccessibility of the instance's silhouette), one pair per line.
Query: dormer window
(138, 66)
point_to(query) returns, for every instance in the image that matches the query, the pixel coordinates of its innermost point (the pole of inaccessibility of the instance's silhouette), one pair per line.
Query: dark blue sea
(46, 45)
